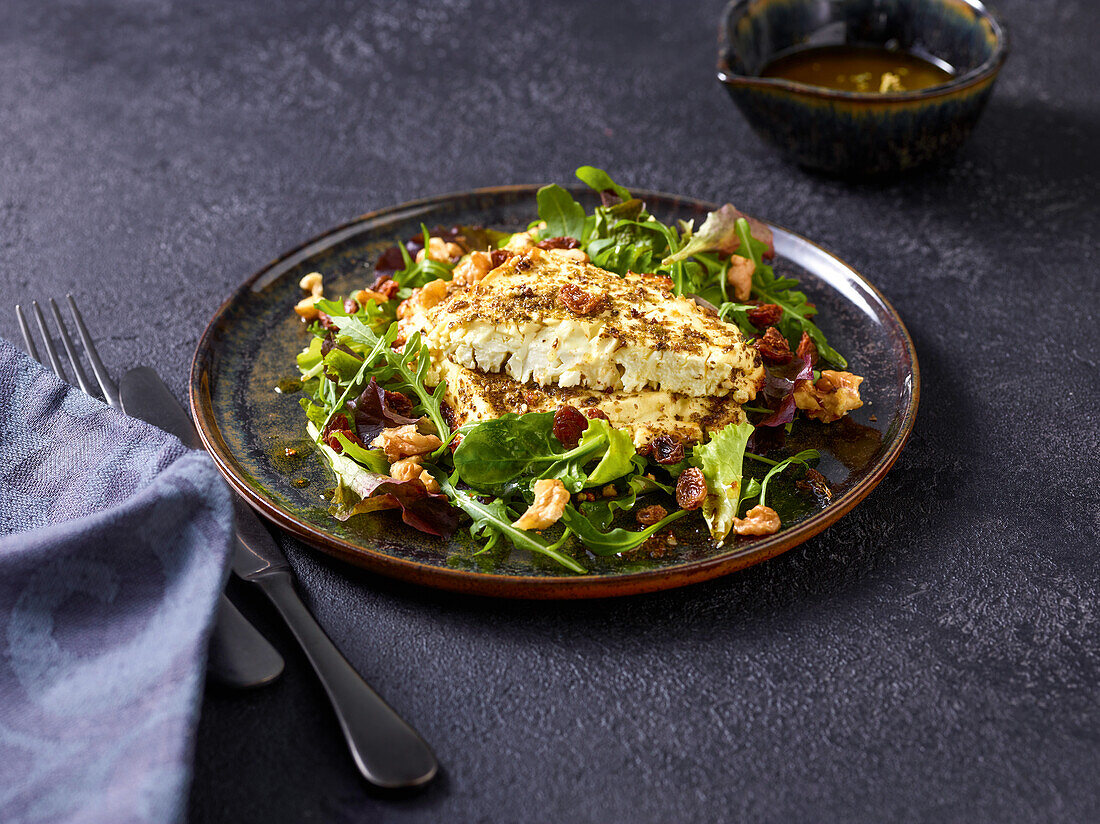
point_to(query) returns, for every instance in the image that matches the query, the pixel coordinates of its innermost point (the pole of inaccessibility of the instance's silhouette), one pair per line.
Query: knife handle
(240, 657)
(388, 752)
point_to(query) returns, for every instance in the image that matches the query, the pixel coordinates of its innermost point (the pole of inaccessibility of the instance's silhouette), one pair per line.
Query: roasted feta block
(479, 396)
(545, 318)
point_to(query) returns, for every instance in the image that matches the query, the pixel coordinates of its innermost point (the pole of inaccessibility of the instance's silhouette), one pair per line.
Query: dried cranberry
(691, 489)
(559, 243)
(773, 348)
(391, 259)
(764, 315)
(338, 423)
(351, 306)
(401, 404)
(385, 286)
(593, 412)
(807, 347)
(577, 300)
(498, 256)
(448, 416)
(355, 439)
(569, 423)
(667, 450)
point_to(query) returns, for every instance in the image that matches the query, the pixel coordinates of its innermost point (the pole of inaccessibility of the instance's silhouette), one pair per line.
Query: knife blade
(387, 750)
(239, 655)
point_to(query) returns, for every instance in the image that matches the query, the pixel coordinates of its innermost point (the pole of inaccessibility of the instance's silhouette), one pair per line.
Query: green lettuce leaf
(720, 460)
(601, 181)
(617, 460)
(495, 454)
(564, 216)
(310, 358)
(372, 459)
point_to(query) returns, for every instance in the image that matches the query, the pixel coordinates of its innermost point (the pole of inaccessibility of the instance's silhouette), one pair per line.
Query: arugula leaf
(738, 313)
(415, 274)
(407, 368)
(797, 311)
(720, 460)
(563, 215)
(493, 519)
(616, 540)
(602, 510)
(802, 458)
(601, 181)
(749, 490)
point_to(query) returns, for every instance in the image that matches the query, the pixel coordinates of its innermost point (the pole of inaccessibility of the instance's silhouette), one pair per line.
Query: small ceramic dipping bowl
(861, 133)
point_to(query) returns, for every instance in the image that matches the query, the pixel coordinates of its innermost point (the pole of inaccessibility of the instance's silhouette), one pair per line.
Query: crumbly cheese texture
(648, 414)
(518, 322)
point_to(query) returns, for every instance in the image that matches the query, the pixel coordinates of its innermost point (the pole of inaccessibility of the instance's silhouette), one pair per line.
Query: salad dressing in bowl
(855, 88)
(864, 69)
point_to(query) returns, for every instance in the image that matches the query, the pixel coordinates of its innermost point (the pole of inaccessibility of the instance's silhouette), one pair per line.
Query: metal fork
(106, 385)
(239, 655)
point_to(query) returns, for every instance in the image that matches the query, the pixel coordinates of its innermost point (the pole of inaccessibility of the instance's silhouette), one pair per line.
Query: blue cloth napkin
(114, 540)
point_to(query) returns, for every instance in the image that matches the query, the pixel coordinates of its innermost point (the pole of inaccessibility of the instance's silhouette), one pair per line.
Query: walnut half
(760, 520)
(551, 496)
(739, 276)
(408, 469)
(833, 396)
(399, 442)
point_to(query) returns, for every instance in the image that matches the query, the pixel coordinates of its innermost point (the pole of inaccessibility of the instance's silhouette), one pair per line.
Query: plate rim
(525, 587)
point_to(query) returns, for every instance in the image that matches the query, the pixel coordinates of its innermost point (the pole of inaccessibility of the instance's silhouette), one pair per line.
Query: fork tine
(32, 350)
(110, 391)
(51, 351)
(70, 350)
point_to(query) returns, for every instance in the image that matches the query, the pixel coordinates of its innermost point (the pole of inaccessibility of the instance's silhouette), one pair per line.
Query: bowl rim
(985, 70)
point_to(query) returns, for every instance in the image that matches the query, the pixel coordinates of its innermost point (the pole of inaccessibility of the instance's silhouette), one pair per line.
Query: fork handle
(388, 752)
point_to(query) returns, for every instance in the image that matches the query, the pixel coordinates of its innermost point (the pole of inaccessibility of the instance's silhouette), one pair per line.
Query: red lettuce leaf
(779, 384)
(420, 509)
(376, 409)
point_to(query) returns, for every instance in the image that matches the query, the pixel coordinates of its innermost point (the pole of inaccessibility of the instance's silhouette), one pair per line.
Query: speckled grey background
(933, 657)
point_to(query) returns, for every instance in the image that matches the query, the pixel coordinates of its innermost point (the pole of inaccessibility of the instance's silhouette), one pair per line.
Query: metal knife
(388, 752)
(239, 655)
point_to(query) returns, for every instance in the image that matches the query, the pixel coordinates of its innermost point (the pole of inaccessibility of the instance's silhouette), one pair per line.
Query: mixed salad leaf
(362, 384)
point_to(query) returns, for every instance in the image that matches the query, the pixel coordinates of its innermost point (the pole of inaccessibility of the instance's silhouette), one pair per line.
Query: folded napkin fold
(114, 541)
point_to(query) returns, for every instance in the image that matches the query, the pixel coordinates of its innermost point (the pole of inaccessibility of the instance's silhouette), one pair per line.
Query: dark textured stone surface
(935, 656)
